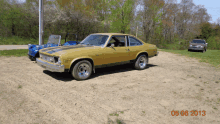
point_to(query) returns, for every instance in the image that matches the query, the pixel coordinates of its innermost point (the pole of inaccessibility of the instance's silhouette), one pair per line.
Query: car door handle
(127, 49)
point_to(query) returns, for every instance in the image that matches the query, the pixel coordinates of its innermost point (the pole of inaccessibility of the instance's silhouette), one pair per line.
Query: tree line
(162, 22)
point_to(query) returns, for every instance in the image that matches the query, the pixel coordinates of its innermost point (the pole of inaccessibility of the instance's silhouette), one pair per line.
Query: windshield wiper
(86, 43)
(89, 44)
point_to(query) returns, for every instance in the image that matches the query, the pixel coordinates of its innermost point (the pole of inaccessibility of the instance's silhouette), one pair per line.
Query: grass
(214, 108)
(19, 86)
(19, 52)
(117, 121)
(114, 114)
(16, 41)
(210, 56)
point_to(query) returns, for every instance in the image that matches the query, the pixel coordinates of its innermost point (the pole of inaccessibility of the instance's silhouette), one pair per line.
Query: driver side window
(118, 41)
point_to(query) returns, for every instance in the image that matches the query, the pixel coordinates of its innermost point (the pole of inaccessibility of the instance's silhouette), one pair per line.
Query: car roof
(197, 39)
(119, 34)
(112, 34)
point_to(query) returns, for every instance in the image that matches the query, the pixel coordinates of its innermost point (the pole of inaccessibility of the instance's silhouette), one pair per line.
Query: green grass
(16, 41)
(114, 114)
(19, 52)
(210, 56)
(19, 86)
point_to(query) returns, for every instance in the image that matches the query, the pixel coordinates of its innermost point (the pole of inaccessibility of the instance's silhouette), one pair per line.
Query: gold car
(97, 50)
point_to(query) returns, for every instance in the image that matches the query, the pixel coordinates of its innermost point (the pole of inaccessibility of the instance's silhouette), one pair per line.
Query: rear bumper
(50, 67)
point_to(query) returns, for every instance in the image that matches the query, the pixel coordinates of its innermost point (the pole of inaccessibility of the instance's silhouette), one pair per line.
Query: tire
(32, 58)
(141, 62)
(82, 70)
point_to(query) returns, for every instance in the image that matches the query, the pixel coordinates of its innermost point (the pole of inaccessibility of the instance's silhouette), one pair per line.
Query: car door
(118, 53)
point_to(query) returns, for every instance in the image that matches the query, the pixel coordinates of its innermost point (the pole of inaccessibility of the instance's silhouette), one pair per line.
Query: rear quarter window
(134, 42)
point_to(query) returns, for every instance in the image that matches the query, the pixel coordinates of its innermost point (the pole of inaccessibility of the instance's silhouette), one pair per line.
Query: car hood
(57, 51)
(195, 44)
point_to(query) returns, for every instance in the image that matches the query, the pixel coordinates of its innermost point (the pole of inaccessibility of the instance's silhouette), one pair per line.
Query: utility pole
(41, 22)
(136, 31)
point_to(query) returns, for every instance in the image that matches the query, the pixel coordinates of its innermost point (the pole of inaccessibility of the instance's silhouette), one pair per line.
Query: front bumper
(195, 48)
(32, 52)
(50, 67)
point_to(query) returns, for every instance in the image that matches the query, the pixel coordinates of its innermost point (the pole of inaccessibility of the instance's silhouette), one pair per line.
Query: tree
(206, 30)
(121, 14)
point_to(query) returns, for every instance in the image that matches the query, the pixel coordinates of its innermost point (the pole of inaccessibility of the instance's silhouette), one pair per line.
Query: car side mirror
(206, 43)
(112, 45)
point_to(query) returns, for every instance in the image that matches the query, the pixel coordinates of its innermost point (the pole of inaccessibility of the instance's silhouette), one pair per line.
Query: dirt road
(29, 94)
(10, 47)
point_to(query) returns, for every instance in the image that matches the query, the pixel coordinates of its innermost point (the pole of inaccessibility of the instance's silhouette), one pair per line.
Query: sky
(212, 6)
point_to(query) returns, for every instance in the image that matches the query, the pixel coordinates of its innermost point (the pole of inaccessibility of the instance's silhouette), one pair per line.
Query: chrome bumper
(50, 67)
(193, 48)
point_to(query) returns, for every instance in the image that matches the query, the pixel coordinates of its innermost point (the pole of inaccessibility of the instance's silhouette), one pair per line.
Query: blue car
(53, 41)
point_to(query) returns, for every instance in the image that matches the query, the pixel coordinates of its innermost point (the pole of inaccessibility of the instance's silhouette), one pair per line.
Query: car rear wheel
(82, 70)
(141, 62)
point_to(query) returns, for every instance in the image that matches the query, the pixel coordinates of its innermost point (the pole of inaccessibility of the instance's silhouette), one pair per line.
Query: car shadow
(115, 69)
(195, 51)
(65, 76)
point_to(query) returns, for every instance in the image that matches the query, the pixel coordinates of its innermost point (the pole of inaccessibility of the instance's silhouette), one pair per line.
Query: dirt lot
(10, 47)
(29, 94)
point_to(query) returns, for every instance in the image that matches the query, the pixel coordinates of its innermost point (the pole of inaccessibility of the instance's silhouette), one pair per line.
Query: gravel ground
(9, 47)
(30, 94)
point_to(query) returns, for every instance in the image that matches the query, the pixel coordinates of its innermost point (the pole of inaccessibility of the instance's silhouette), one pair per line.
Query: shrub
(214, 43)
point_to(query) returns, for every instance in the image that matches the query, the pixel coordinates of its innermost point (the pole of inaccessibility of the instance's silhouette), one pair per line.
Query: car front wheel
(141, 62)
(82, 70)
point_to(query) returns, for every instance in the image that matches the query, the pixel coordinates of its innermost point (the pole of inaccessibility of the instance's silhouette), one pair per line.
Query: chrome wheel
(143, 62)
(83, 70)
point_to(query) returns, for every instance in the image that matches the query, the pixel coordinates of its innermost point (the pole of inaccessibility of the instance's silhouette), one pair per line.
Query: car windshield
(96, 40)
(198, 41)
(54, 39)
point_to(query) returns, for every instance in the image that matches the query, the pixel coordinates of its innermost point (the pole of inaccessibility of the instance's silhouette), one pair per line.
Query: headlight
(190, 45)
(201, 46)
(51, 59)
